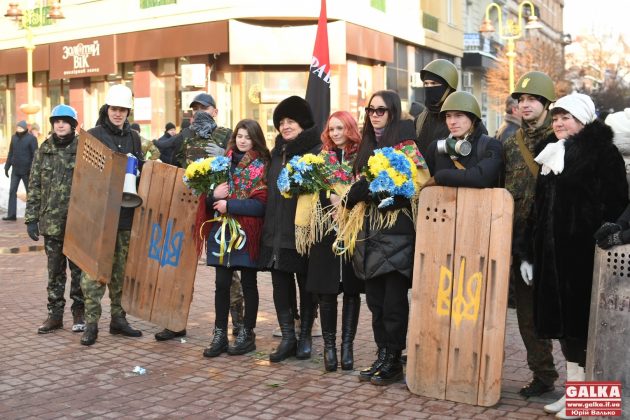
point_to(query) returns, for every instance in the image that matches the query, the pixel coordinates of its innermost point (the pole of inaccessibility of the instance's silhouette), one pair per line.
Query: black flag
(318, 88)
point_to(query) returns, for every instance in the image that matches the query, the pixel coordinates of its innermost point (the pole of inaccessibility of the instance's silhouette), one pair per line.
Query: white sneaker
(556, 407)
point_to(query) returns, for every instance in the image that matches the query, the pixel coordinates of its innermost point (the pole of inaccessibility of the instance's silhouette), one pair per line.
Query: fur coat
(568, 209)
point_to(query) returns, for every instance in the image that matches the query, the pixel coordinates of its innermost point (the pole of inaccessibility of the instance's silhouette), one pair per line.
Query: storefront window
(255, 95)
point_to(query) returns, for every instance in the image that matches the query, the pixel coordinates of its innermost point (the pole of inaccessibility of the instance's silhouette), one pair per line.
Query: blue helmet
(63, 111)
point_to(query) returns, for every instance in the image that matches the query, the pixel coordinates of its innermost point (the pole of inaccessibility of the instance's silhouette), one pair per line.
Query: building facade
(249, 55)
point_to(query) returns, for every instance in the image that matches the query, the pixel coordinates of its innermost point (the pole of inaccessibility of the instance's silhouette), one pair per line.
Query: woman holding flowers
(328, 274)
(234, 239)
(298, 136)
(469, 157)
(383, 254)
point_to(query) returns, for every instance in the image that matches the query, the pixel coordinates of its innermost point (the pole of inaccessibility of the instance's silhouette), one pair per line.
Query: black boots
(288, 345)
(305, 343)
(167, 334)
(349, 322)
(245, 342)
(328, 314)
(51, 324)
(236, 312)
(89, 335)
(367, 373)
(390, 371)
(119, 325)
(219, 343)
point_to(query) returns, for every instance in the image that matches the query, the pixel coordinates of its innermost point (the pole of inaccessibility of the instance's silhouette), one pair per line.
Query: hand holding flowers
(203, 175)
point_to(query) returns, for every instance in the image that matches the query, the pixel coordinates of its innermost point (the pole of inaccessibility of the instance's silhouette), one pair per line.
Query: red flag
(318, 88)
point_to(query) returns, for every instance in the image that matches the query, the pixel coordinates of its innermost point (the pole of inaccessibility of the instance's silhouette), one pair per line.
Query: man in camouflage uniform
(113, 130)
(47, 211)
(203, 139)
(534, 92)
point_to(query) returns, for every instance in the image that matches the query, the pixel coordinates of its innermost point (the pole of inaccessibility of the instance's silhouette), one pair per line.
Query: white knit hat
(579, 105)
(620, 124)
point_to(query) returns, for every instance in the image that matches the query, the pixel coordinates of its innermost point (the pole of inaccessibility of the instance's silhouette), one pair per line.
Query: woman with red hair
(328, 274)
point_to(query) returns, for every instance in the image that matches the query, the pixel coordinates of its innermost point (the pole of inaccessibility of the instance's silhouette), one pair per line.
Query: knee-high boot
(349, 322)
(328, 313)
(305, 342)
(288, 344)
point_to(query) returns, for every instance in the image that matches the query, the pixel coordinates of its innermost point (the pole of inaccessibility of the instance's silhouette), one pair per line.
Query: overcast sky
(601, 16)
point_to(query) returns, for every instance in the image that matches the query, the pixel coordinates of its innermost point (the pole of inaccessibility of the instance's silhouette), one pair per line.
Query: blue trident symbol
(169, 252)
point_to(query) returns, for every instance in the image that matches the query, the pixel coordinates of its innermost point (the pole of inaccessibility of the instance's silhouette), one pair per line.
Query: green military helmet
(535, 83)
(443, 68)
(461, 101)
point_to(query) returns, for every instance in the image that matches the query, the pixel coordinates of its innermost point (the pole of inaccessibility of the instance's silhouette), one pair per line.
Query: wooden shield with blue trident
(459, 294)
(162, 261)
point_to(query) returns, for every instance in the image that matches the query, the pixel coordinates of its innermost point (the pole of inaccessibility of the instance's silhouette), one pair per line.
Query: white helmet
(119, 95)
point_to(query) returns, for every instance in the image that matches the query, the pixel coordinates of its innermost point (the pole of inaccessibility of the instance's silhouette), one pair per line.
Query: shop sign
(83, 58)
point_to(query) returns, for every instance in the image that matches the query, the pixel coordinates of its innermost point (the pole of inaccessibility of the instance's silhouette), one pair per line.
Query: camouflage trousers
(236, 299)
(539, 352)
(94, 290)
(57, 278)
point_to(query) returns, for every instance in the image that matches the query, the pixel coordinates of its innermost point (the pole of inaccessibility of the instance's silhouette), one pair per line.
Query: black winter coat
(568, 209)
(481, 171)
(383, 251)
(278, 239)
(21, 153)
(326, 271)
(429, 126)
(121, 141)
(166, 152)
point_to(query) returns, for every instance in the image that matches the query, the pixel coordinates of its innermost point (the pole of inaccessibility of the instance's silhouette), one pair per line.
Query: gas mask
(454, 147)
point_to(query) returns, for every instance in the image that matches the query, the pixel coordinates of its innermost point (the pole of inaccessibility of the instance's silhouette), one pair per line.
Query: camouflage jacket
(194, 147)
(518, 179)
(49, 186)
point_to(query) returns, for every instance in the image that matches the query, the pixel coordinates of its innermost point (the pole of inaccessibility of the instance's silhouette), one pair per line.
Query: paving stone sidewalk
(53, 376)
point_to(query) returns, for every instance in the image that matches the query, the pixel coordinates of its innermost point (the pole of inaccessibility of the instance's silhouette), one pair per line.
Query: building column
(146, 102)
(77, 98)
(21, 95)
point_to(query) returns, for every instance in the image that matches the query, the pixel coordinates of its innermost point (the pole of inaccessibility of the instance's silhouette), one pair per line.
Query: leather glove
(359, 191)
(527, 273)
(6, 171)
(33, 231)
(606, 230)
(214, 150)
(617, 238)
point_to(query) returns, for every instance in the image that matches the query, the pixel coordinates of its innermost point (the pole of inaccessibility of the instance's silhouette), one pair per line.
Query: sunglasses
(380, 111)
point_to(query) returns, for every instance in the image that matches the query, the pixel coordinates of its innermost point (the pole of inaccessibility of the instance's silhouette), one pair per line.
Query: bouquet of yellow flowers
(203, 175)
(305, 174)
(391, 173)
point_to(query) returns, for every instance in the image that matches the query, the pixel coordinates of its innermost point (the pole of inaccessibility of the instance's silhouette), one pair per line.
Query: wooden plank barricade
(459, 294)
(609, 321)
(162, 261)
(94, 208)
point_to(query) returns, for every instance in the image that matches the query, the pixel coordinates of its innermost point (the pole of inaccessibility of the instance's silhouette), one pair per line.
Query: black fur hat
(295, 108)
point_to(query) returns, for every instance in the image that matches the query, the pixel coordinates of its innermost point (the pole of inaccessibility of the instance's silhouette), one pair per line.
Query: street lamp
(28, 19)
(511, 31)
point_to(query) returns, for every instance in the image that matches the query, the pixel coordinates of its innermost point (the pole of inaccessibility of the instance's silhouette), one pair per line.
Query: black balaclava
(434, 96)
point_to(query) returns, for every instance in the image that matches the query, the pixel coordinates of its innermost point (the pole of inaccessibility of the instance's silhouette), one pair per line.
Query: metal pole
(511, 55)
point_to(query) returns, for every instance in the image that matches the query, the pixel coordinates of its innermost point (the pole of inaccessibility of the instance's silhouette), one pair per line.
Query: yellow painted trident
(459, 308)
